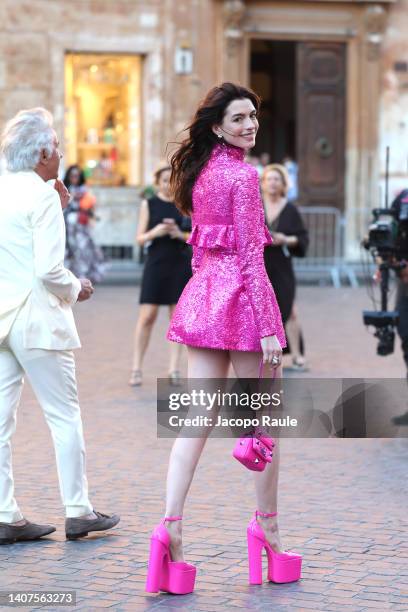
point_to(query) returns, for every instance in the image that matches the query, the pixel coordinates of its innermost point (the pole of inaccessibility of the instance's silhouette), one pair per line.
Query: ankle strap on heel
(265, 514)
(172, 518)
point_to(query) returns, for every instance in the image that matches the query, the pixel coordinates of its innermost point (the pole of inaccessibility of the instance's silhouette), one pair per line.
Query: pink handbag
(254, 450)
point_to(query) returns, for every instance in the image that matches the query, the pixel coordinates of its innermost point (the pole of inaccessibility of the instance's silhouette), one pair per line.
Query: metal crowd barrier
(324, 257)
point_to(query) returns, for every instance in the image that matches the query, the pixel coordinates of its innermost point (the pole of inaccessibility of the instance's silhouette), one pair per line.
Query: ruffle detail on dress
(213, 236)
(219, 236)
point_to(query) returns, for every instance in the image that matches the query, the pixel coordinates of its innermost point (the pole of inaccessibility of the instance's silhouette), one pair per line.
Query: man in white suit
(37, 328)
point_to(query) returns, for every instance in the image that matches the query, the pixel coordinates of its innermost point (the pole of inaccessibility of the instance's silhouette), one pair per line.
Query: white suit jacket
(32, 246)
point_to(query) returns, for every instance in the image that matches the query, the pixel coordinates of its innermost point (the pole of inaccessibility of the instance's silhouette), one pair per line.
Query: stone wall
(35, 34)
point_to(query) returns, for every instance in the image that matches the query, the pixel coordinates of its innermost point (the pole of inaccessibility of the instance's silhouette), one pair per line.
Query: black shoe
(9, 534)
(78, 527)
(401, 419)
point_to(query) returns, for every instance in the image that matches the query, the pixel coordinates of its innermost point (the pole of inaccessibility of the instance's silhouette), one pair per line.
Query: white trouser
(52, 377)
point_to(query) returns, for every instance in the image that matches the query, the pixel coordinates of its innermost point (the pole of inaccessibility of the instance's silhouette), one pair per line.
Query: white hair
(25, 136)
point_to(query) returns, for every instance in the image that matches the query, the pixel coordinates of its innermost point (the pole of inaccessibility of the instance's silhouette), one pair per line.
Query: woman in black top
(164, 231)
(290, 239)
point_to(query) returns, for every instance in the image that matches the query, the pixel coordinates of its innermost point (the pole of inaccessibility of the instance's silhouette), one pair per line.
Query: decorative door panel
(321, 123)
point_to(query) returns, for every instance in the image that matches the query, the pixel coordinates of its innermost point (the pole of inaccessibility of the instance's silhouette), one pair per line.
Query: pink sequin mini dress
(229, 302)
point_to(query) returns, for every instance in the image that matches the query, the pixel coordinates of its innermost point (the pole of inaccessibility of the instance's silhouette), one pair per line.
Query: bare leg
(186, 452)
(176, 349)
(246, 365)
(293, 332)
(147, 317)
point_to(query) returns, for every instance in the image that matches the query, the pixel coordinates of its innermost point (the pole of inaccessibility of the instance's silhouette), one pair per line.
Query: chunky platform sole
(176, 577)
(282, 567)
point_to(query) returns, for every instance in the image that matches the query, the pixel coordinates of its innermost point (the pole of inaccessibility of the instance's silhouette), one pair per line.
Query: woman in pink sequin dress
(229, 304)
(227, 313)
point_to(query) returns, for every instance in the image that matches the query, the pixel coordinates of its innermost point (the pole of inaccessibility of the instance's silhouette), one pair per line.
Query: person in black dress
(290, 239)
(163, 231)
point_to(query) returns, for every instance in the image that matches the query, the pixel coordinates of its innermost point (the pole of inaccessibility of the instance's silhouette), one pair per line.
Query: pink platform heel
(282, 567)
(163, 574)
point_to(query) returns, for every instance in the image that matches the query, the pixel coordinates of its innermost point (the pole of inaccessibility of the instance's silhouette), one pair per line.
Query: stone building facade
(334, 76)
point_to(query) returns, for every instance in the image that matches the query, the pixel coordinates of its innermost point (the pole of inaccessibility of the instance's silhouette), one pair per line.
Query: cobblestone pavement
(342, 502)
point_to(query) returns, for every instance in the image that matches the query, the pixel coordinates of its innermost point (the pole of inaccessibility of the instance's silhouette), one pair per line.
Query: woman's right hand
(159, 230)
(272, 351)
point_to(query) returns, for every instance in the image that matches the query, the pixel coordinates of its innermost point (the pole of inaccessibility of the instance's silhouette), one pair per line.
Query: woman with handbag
(227, 314)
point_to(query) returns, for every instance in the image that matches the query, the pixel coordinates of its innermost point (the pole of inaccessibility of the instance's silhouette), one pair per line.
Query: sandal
(299, 366)
(135, 379)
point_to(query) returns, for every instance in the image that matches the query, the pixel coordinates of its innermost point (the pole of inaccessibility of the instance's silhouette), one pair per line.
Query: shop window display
(102, 123)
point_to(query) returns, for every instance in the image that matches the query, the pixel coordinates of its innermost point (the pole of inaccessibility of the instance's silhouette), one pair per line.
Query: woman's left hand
(272, 351)
(62, 192)
(279, 239)
(175, 232)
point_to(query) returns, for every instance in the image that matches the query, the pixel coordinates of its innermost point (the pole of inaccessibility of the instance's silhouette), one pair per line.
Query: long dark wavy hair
(194, 152)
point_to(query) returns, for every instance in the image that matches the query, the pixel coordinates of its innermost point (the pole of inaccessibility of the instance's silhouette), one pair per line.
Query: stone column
(364, 186)
(189, 25)
(232, 40)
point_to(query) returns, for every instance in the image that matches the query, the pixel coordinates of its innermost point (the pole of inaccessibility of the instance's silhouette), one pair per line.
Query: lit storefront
(102, 120)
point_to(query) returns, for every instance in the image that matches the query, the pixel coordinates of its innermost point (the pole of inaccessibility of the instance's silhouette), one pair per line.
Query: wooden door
(321, 82)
